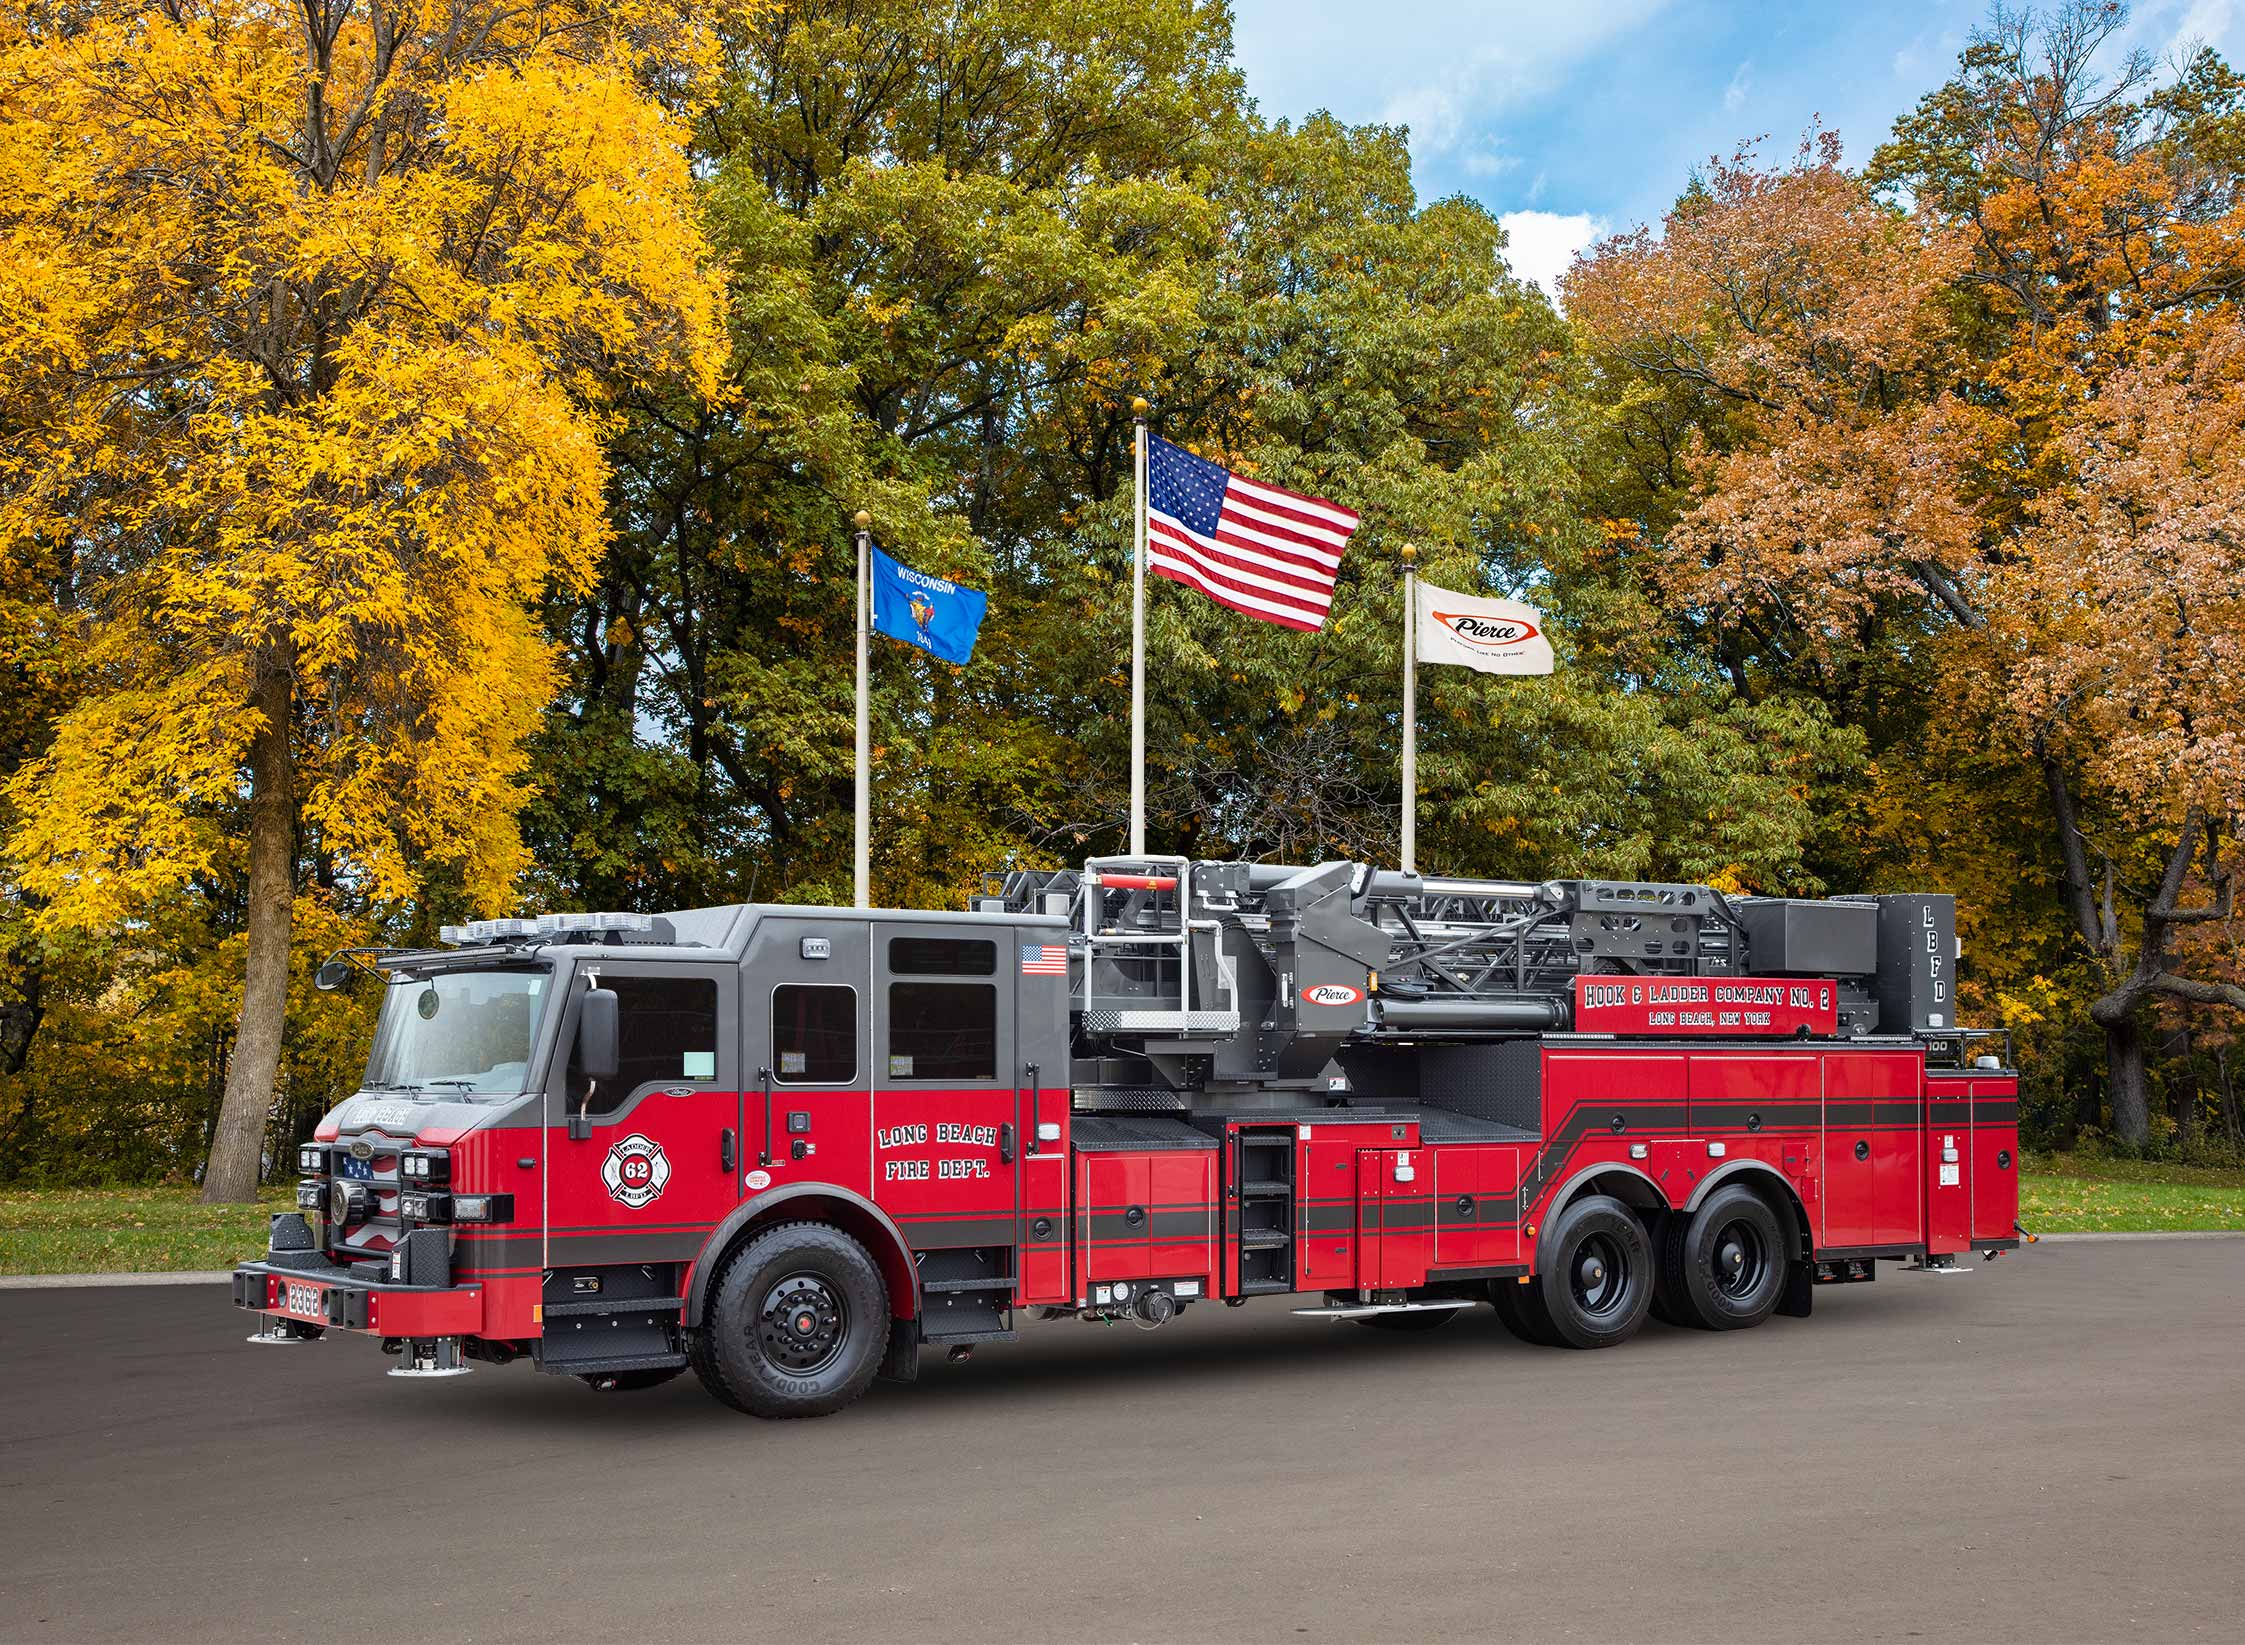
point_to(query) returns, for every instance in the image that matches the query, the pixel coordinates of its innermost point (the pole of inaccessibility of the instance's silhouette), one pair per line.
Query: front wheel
(796, 1326)
(1596, 1278)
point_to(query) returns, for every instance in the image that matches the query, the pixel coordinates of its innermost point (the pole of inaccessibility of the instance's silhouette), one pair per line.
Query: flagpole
(1138, 410)
(864, 822)
(1410, 711)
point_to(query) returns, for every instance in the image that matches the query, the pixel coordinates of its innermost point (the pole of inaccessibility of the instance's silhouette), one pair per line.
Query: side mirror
(596, 1034)
(332, 974)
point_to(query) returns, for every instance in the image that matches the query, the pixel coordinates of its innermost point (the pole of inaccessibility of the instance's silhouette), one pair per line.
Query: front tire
(1725, 1269)
(796, 1326)
(1596, 1282)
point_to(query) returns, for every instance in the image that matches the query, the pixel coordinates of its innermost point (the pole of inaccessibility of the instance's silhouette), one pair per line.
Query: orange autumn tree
(310, 313)
(1913, 432)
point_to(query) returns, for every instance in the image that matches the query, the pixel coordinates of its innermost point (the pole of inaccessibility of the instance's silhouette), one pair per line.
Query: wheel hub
(1740, 1260)
(1600, 1276)
(801, 1327)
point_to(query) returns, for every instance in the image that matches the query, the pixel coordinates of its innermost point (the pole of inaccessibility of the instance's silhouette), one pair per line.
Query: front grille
(378, 1228)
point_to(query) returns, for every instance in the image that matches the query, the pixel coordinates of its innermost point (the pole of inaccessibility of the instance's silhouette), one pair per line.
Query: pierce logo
(635, 1171)
(1487, 633)
(1331, 993)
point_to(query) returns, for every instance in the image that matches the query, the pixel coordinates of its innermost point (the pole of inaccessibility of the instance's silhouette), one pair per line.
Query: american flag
(1272, 554)
(1044, 959)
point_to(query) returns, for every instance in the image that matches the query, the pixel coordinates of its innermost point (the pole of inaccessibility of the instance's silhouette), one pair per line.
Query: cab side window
(814, 1034)
(666, 1033)
(943, 1031)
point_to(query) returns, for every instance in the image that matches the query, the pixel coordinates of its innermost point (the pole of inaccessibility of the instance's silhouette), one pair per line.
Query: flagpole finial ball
(863, 519)
(1410, 552)
(1139, 408)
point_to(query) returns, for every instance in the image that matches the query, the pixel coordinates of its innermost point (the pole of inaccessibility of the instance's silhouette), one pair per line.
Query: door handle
(1005, 1145)
(764, 1156)
(725, 1148)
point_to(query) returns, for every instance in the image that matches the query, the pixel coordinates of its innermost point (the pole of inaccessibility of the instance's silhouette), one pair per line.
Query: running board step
(602, 1364)
(1365, 1310)
(615, 1305)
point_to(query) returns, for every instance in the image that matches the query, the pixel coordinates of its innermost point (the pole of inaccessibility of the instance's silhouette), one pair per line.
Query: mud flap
(901, 1363)
(1800, 1289)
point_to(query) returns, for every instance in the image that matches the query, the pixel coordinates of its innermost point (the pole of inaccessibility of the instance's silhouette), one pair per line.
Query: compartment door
(1995, 1159)
(1181, 1211)
(1395, 1211)
(1112, 1216)
(1325, 1233)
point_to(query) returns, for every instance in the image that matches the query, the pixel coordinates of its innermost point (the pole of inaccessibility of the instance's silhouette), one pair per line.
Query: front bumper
(319, 1293)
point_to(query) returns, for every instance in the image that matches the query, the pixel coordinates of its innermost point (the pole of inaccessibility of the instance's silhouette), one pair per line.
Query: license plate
(358, 1170)
(301, 1301)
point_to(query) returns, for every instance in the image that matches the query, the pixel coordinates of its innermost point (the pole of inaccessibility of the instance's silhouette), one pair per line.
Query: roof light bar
(552, 924)
(545, 925)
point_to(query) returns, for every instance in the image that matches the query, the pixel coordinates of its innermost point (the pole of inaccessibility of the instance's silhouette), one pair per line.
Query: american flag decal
(1044, 959)
(1261, 550)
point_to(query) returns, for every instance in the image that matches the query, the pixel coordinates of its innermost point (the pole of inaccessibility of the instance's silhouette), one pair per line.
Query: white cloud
(1442, 67)
(1734, 94)
(1540, 244)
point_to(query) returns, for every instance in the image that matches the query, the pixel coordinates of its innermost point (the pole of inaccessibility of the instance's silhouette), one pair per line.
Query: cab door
(647, 1167)
(808, 1109)
(947, 1109)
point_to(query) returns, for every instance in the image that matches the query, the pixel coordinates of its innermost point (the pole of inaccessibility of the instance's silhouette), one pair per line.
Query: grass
(128, 1230)
(2074, 1193)
(123, 1230)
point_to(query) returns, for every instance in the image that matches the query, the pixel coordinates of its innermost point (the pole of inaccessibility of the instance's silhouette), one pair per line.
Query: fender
(750, 1210)
(1734, 1168)
(1605, 1168)
(1757, 1169)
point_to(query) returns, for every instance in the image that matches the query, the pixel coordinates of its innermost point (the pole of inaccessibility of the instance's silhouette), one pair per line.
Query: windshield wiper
(465, 1085)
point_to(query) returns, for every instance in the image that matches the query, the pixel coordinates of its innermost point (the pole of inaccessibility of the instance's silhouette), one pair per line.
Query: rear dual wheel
(1723, 1268)
(1595, 1283)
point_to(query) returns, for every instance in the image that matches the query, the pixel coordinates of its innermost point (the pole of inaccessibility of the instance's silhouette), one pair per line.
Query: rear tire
(1419, 1319)
(796, 1326)
(1725, 1269)
(1596, 1282)
(1521, 1312)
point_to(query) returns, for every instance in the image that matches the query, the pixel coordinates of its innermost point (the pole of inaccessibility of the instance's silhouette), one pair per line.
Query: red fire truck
(792, 1147)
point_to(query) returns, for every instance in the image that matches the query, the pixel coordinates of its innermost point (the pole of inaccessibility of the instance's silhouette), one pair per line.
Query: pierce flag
(1494, 636)
(939, 616)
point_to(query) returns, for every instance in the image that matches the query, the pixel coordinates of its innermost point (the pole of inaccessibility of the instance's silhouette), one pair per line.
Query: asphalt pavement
(2050, 1449)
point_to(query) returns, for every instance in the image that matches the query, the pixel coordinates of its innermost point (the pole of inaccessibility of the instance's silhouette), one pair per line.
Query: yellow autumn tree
(307, 318)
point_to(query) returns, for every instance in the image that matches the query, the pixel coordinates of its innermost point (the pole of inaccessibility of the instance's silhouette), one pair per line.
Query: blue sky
(1571, 120)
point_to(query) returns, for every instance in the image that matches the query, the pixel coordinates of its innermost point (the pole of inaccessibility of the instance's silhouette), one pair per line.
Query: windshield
(458, 1032)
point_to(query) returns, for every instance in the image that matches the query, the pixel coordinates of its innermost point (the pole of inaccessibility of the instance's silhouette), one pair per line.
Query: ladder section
(1266, 1209)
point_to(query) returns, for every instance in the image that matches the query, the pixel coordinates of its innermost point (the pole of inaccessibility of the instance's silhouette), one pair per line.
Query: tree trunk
(2124, 1072)
(238, 1145)
(2230, 1121)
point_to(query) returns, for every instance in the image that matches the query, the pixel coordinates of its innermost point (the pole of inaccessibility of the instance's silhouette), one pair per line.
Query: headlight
(310, 1196)
(425, 1165)
(312, 1158)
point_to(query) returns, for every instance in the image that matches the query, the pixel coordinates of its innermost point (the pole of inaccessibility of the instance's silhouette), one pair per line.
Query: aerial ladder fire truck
(792, 1148)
